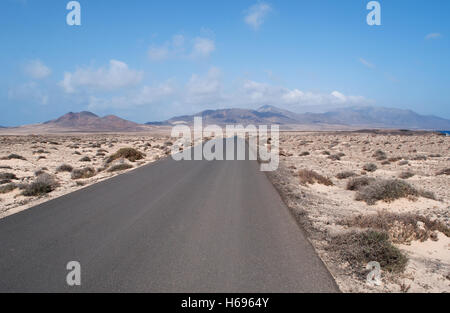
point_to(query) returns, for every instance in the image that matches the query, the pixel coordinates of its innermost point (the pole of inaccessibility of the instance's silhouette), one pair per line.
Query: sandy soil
(47, 152)
(321, 209)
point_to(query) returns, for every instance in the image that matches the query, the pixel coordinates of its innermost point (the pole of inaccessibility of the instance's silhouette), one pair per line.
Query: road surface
(186, 226)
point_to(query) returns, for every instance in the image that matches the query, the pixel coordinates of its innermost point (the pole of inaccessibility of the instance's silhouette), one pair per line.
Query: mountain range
(353, 117)
(349, 118)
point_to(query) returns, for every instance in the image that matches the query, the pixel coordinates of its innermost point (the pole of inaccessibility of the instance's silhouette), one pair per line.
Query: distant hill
(88, 121)
(364, 116)
(379, 117)
(234, 116)
(80, 122)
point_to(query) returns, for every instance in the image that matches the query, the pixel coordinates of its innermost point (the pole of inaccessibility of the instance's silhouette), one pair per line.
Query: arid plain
(360, 196)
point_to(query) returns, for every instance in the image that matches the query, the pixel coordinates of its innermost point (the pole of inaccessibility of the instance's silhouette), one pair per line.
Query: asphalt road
(186, 226)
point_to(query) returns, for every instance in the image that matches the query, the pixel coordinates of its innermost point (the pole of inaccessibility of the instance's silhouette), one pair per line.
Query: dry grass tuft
(406, 174)
(86, 172)
(14, 156)
(388, 190)
(7, 188)
(359, 182)
(402, 228)
(7, 176)
(420, 158)
(43, 184)
(130, 154)
(445, 171)
(370, 167)
(120, 167)
(85, 159)
(380, 155)
(311, 177)
(360, 248)
(345, 174)
(64, 168)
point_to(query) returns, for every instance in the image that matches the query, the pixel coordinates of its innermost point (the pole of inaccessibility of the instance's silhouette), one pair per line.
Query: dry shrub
(388, 190)
(380, 155)
(311, 177)
(427, 194)
(359, 182)
(120, 167)
(404, 162)
(304, 153)
(14, 156)
(43, 184)
(86, 172)
(130, 154)
(406, 174)
(85, 159)
(370, 167)
(345, 174)
(41, 151)
(445, 171)
(7, 188)
(420, 158)
(360, 248)
(402, 228)
(8, 176)
(394, 159)
(39, 172)
(64, 168)
(335, 157)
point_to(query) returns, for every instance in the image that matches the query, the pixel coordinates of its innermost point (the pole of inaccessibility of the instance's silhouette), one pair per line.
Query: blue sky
(150, 60)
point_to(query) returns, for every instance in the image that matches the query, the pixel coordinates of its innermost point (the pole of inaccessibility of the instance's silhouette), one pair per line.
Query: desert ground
(360, 196)
(365, 197)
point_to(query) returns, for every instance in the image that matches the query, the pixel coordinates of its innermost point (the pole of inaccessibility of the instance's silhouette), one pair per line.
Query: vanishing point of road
(170, 226)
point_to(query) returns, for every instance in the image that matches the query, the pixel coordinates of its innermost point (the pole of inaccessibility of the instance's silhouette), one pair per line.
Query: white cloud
(366, 63)
(256, 15)
(207, 91)
(36, 69)
(28, 92)
(147, 95)
(260, 94)
(200, 47)
(203, 47)
(117, 75)
(178, 40)
(206, 88)
(158, 53)
(433, 36)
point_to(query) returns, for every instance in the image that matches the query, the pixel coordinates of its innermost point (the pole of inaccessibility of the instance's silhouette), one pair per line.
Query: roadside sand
(321, 209)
